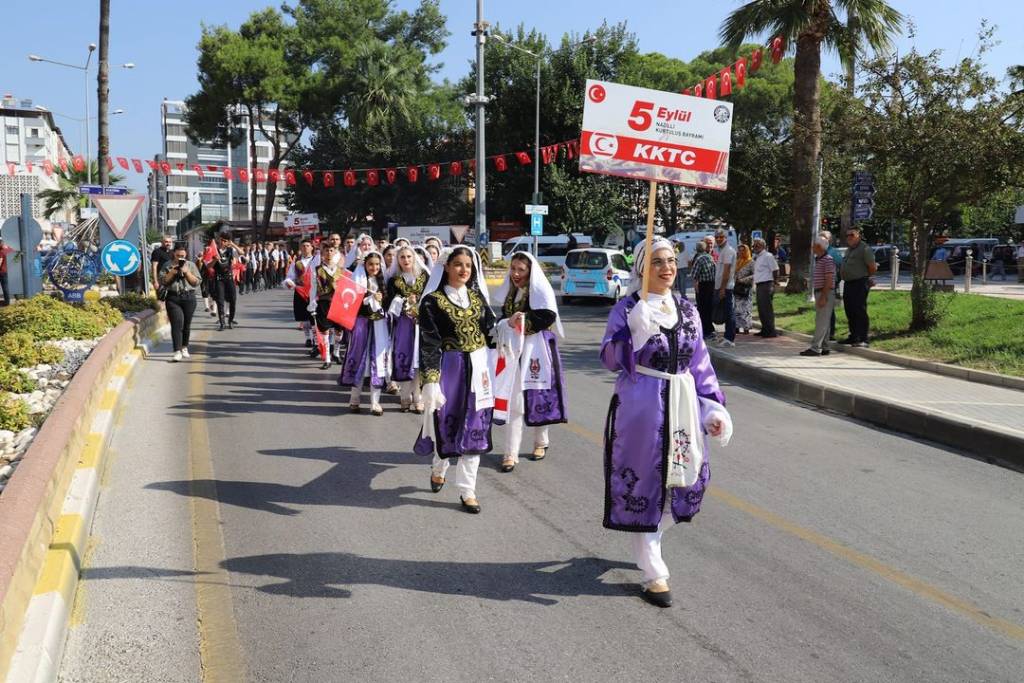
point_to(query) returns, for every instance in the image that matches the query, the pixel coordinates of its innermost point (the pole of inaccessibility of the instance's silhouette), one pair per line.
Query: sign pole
(651, 204)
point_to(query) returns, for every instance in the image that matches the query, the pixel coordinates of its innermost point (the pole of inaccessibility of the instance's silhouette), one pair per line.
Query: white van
(691, 237)
(550, 248)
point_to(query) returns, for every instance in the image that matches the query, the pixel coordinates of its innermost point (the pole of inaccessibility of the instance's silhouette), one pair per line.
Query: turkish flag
(153, 165)
(123, 163)
(726, 87)
(228, 173)
(741, 72)
(78, 163)
(199, 171)
(776, 50)
(12, 168)
(434, 171)
(698, 90)
(308, 177)
(500, 163)
(48, 166)
(348, 297)
(165, 167)
(181, 167)
(63, 164)
(755, 60)
(289, 176)
(274, 175)
(350, 178)
(261, 175)
(328, 179)
(688, 91)
(373, 178)
(412, 173)
(572, 149)
(137, 165)
(455, 168)
(523, 158)
(709, 87)
(243, 175)
(211, 253)
(110, 164)
(391, 175)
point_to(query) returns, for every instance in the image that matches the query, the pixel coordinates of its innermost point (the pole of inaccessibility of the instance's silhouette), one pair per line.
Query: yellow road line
(62, 562)
(916, 586)
(91, 450)
(108, 400)
(220, 652)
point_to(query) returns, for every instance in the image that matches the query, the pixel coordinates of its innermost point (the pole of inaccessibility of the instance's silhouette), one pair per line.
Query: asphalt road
(251, 529)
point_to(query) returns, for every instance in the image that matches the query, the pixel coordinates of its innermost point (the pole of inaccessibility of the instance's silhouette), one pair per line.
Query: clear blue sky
(160, 38)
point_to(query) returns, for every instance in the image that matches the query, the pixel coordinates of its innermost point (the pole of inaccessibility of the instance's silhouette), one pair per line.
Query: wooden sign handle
(651, 204)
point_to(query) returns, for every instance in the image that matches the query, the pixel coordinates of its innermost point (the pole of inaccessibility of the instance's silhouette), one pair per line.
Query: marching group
(466, 359)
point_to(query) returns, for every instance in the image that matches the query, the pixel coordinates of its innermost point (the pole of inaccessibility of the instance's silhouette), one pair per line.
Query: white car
(551, 249)
(594, 272)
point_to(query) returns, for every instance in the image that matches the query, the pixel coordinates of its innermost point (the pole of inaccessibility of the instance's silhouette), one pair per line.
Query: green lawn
(976, 331)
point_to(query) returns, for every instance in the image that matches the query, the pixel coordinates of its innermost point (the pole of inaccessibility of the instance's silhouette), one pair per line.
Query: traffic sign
(533, 209)
(120, 257)
(756, 235)
(118, 212)
(99, 189)
(537, 224)
(863, 213)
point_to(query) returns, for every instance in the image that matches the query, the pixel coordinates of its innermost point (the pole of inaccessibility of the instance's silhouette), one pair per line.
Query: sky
(160, 39)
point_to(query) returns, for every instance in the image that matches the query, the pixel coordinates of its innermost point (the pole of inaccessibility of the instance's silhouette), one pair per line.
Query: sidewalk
(980, 418)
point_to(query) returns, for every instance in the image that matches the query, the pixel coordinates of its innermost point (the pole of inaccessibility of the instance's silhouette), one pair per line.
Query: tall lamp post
(85, 70)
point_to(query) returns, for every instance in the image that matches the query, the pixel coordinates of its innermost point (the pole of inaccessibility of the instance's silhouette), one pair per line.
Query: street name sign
(541, 209)
(100, 189)
(654, 135)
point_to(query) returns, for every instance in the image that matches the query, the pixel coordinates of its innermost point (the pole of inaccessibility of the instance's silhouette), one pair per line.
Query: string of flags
(312, 177)
(720, 83)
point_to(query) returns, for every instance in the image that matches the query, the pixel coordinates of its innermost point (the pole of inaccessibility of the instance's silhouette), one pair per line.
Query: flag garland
(734, 76)
(328, 178)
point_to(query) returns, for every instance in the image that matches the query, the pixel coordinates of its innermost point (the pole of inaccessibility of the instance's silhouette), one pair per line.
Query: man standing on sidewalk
(824, 297)
(766, 270)
(161, 255)
(858, 267)
(725, 278)
(704, 287)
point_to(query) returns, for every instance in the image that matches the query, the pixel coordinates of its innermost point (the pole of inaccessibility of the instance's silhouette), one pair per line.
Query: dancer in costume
(666, 401)
(455, 323)
(321, 292)
(408, 278)
(296, 281)
(369, 344)
(534, 386)
(434, 246)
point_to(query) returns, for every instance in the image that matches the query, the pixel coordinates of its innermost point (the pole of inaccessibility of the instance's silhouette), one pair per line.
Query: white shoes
(726, 344)
(185, 353)
(176, 357)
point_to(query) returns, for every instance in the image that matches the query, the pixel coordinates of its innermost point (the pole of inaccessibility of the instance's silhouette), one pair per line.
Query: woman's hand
(516, 321)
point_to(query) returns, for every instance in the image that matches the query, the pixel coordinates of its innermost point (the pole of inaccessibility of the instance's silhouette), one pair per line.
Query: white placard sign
(301, 223)
(654, 135)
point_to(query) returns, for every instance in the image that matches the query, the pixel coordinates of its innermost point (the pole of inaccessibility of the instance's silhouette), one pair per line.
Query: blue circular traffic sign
(121, 258)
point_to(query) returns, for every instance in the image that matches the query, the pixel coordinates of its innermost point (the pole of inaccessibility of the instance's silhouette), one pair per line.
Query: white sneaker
(176, 357)
(185, 353)
(726, 344)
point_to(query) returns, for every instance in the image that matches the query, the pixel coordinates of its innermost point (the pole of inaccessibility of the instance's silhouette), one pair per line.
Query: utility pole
(480, 100)
(103, 92)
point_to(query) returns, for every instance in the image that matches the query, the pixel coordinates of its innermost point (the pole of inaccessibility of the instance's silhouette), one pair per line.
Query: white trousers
(409, 391)
(514, 435)
(357, 392)
(647, 551)
(465, 472)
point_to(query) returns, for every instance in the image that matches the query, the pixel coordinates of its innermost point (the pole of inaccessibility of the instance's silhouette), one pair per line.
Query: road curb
(988, 443)
(56, 499)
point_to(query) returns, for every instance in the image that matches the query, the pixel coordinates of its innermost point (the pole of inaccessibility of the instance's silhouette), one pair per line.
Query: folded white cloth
(397, 306)
(433, 398)
(481, 383)
(714, 411)
(686, 440)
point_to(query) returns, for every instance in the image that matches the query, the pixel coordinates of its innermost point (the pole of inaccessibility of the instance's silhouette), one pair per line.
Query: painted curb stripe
(91, 451)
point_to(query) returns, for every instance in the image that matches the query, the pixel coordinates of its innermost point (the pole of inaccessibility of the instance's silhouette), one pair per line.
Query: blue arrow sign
(120, 257)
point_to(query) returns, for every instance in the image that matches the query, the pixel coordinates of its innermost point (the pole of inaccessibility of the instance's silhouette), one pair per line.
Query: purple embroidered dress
(636, 443)
(403, 334)
(361, 345)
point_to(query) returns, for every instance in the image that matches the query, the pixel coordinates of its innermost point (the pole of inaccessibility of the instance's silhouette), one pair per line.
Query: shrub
(130, 302)
(13, 413)
(14, 380)
(18, 349)
(49, 354)
(44, 318)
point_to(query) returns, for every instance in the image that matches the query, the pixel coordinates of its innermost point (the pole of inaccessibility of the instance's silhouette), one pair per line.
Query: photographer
(179, 278)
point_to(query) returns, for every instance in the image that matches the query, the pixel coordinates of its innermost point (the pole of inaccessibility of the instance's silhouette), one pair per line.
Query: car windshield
(586, 260)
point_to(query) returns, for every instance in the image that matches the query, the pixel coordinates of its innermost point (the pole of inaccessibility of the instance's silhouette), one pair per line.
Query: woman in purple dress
(666, 401)
(406, 283)
(369, 344)
(455, 324)
(526, 336)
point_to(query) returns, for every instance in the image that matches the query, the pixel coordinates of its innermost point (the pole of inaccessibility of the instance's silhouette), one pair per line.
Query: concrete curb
(54, 496)
(986, 442)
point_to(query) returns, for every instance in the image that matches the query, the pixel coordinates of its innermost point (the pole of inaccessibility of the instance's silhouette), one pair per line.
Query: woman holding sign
(405, 287)
(666, 400)
(529, 384)
(369, 344)
(455, 323)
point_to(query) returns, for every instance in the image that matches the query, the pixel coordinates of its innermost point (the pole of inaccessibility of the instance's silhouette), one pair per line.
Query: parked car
(550, 248)
(1007, 253)
(595, 272)
(954, 252)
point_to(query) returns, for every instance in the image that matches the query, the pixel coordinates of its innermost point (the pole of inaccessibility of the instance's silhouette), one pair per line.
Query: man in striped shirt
(824, 297)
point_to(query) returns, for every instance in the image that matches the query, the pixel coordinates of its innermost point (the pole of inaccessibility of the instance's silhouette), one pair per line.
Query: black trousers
(6, 287)
(226, 294)
(855, 302)
(766, 307)
(706, 305)
(180, 310)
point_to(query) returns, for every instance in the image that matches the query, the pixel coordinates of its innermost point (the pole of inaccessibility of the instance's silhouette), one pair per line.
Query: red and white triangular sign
(118, 210)
(459, 232)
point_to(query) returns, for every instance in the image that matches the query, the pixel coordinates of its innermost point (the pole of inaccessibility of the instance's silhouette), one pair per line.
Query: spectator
(681, 269)
(766, 272)
(725, 280)
(179, 278)
(824, 297)
(857, 269)
(781, 255)
(999, 265)
(704, 287)
(837, 259)
(743, 289)
(160, 256)
(1020, 262)
(350, 241)
(573, 243)
(4, 284)
(709, 242)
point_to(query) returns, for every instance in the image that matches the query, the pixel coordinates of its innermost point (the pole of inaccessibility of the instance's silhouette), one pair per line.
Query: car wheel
(618, 296)
(566, 300)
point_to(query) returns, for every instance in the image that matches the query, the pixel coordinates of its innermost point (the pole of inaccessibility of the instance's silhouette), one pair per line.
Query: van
(550, 248)
(690, 238)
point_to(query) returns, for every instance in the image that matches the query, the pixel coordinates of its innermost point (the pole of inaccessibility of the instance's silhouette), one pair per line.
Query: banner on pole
(654, 135)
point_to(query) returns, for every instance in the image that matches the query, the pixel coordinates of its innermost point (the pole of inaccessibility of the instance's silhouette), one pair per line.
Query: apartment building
(30, 136)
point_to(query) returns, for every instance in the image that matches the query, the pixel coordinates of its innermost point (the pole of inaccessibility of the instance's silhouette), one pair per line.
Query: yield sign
(118, 211)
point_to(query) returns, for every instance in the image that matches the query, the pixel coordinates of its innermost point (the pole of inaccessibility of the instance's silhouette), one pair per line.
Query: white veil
(353, 255)
(542, 294)
(418, 266)
(437, 274)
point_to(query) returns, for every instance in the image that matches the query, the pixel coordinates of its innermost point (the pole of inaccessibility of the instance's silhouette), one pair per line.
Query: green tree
(67, 197)
(810, 24)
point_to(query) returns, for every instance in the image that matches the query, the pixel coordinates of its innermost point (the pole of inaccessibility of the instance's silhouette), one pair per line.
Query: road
(249, 528)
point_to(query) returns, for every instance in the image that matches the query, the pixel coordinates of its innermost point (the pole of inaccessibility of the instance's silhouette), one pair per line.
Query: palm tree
(103, 92)
(382, 90)
(810, 24)
(66, 197)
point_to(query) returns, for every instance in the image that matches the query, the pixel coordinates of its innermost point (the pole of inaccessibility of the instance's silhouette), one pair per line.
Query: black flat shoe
(809, 352)
(313, 353)
(663, 599)
(326, 365)
(220, 326)
(309, 343)
(436, 486)
(472, 508)
(231, 324)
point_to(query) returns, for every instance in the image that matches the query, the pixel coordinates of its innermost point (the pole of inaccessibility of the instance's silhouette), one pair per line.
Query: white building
(220, 198)
(30, 137)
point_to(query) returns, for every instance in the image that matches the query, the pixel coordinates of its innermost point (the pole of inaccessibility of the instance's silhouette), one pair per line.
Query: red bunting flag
(741, 72)
(11, 168)
(349, 178)
(308, 177)
(274, 175)
(289, 176)
(434, 172)
(199, 170)
(328, 179)
(523, 158)
(261, 175)
(412, 173)
(181, 167)
(373, 178)
(546, 157)
(391, 175)
(48, 166)
(709, 87)
(755, 60)
(228, 173)
(725, 87)
(165, 167)
(78, 163)
(776, 50)
(501, 163)
(348, 297)
(29, 166)
(137, 165)
(110, 164)
(63, 164)
(455, 168)
(243, 175)
(698, 90)
(122, 162)
(153, 165)
(688, 91)
(572, 149)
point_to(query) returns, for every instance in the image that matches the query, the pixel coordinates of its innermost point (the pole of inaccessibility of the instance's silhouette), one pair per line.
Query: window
(552, 249)
(177, 197)
(34, 132)
(587, 260)
(12, 130)
(176, 147)
(619, 262)
(175, 129)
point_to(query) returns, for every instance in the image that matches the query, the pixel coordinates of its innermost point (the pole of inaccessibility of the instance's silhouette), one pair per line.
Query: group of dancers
(466, 360)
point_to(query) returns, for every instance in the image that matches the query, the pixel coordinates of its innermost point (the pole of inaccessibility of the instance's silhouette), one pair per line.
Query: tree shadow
(318, 575)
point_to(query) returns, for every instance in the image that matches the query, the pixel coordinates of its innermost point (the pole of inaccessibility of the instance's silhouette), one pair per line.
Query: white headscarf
(542, 295)
(418, 266)
(352, 256)
(402, 242)
(424, 256)
(639, 258)
(360, 276)
(437, 274)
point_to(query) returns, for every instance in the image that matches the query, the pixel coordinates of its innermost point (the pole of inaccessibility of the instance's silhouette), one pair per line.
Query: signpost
(117, 213)
(656, 136)
(537, 224)
(756, 235)
(121, 258)
(100, 189)
(862, 196)
(541, 209)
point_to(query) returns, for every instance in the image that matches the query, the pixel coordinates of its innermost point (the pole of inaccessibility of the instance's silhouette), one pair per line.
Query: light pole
(85, 70)
(77, 119)
(479, 99)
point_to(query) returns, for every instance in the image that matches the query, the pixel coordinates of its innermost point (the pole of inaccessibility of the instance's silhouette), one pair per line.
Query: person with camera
(178, 280)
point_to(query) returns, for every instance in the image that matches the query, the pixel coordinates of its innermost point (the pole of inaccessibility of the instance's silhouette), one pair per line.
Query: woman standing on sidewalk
(525, 335)
(741, 293)
(666, 398)
(369, 344)
(405, 288)
(455, 323)
(179, 278)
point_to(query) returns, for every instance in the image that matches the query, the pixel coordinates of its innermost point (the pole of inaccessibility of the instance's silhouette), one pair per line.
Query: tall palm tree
(103, 92)
(810, 24)
(66, 197)
(382, 89)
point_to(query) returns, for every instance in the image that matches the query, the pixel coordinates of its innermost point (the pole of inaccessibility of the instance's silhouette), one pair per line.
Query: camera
(181, 263)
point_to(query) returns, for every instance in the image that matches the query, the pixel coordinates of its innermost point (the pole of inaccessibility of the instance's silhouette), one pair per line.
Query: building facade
(218, 197)
(30, 137)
